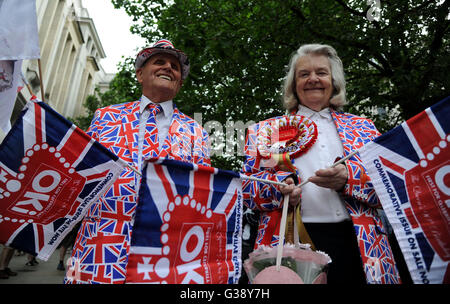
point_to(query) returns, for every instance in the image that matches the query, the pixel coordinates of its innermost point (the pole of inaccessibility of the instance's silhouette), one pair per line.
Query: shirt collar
(167, 106)
(307, 112)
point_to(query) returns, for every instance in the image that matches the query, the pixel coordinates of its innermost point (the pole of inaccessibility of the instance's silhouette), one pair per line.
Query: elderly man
(150, 127)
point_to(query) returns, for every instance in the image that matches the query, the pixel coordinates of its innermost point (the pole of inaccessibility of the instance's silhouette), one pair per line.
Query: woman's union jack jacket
(359, 195)
(100, 254)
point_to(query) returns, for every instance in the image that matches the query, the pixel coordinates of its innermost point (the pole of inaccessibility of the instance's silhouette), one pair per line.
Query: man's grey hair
(337, 100)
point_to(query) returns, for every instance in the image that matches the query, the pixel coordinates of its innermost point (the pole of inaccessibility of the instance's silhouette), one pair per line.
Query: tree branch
(442, 26)
(354, 43)
(378, 67)
(351, 10)
(221, 16)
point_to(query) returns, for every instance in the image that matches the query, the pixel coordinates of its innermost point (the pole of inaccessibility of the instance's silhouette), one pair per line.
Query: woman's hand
(332, 178)
(294, 192)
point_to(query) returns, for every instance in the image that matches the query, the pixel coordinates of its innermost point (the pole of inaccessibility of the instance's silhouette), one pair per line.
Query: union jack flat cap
(163, 46)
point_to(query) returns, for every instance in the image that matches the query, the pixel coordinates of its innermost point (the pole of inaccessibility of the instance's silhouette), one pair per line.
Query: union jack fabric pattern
(152, 132)
(164, 44)
(100, 254)
(50, 174)
(188, 225)
(410, 170)
(359, 195)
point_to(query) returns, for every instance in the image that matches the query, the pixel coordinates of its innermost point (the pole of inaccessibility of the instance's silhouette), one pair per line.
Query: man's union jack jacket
(100, 254)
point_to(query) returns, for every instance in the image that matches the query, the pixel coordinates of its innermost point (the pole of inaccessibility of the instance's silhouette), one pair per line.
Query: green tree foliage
(239, 51)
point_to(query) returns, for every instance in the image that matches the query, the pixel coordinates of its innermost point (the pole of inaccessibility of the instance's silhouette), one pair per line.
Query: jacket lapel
(341, 122)
(347, 133)
(175, 143)
(130, 123)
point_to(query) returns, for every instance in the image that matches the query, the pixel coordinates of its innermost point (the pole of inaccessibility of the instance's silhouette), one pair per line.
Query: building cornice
(90, 23)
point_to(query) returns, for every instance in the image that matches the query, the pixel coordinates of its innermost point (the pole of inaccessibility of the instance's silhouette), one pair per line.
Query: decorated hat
(163, 46)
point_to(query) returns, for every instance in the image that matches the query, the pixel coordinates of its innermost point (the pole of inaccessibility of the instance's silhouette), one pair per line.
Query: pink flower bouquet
(299, 265)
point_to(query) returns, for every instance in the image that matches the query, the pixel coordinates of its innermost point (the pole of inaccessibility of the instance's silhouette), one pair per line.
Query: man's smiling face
(160, 77)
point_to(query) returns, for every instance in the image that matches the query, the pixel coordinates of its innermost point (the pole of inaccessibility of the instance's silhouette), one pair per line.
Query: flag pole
(41, 80)
(304, 182)
(242, 176)
(26, 84)
(262, 180)
(134, 169)
(334, 165)
(269, 181)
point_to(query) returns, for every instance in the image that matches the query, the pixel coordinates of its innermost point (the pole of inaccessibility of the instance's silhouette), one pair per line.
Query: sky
(113, 27)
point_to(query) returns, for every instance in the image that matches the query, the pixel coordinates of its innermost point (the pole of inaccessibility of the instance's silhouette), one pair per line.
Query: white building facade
(70, 58)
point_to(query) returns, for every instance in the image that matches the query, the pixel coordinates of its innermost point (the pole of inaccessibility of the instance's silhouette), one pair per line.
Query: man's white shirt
(163, 120)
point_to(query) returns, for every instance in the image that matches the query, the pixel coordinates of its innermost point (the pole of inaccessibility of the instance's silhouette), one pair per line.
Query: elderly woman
(338, 205)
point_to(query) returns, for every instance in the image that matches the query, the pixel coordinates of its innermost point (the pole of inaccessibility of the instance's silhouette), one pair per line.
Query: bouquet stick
(282, 231)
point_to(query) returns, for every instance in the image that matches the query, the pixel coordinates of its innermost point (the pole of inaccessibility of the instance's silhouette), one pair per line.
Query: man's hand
(333, 178)
(294, 192)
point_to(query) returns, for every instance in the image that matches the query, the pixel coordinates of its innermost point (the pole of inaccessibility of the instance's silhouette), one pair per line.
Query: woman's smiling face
(313, 81)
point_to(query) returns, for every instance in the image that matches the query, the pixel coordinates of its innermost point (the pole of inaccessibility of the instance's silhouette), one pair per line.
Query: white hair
(337, 100)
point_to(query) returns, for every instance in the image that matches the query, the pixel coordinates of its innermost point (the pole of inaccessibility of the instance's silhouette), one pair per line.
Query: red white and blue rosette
(288, 135)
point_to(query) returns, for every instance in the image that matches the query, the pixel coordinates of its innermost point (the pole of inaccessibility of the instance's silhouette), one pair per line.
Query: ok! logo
(193, 239)
(42, 191)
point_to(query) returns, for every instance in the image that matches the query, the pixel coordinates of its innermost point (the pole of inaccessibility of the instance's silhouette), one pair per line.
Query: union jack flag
(410, 170)
(50, 173)
(187, 227)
